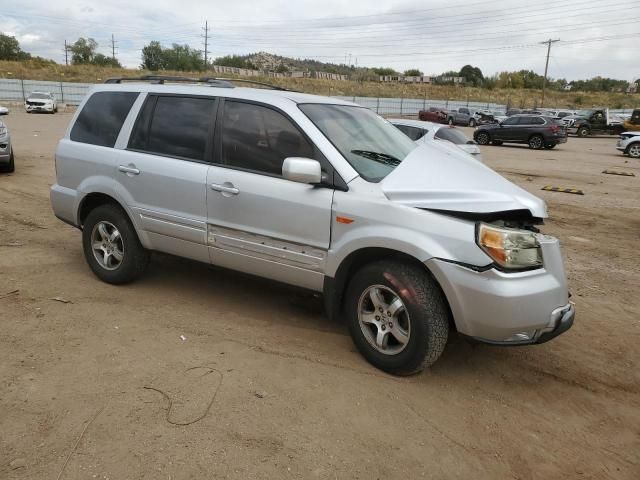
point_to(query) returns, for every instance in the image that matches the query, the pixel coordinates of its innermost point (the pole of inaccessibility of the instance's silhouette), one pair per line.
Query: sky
(597, 37)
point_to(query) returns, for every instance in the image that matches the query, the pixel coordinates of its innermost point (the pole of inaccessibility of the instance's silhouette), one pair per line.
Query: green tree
(413, 72)
(10, 49)
(236, 61)
(153, 57)
(472, 75)
(510, 80)
(384, 71)
(104, 61)
(83, 50)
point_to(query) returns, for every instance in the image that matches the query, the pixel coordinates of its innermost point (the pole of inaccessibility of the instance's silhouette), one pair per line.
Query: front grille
(35, 104)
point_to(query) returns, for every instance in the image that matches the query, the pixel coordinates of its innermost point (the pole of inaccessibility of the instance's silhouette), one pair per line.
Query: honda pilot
(407, 243)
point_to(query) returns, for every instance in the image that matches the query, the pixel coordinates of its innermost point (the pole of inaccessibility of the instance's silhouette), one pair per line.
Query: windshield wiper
(378, 157)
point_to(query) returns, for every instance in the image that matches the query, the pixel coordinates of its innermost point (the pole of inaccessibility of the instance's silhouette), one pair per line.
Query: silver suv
(407, 243)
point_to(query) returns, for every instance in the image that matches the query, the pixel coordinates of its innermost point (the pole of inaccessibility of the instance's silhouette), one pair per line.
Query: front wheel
(111, 245)
(583, 132)
(398, 316)
(536, 142)
(9, 167)
(451, 122)
(634, 150)
(472, 123)
(483, 138)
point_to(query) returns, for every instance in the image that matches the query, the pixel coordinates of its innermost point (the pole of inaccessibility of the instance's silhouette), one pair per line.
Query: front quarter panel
(379, 222)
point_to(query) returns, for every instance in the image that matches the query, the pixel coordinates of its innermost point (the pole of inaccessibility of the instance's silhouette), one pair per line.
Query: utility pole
(66, 53)
(113, 47)
(546, 66)
(206, 43)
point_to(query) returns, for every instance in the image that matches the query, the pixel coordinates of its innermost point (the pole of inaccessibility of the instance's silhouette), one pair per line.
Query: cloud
(433, 36)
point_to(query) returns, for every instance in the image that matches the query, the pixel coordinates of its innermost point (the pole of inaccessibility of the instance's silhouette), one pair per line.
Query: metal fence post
(378, 105)
(401, 102)
(24, 99)
(61, 93)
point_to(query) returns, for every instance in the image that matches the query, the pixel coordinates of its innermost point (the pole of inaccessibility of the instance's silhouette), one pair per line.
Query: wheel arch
(94, 199)
(334, 287)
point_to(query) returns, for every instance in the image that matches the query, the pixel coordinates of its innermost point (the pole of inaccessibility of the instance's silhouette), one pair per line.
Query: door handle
(225, 189)
(131, 170)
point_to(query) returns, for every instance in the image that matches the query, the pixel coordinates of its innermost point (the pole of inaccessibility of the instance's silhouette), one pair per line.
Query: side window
(101, 118)
(180, 127)
(259, 138)
(511, 121)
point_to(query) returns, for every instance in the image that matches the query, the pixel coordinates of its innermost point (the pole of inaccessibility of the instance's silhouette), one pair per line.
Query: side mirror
(302, 170)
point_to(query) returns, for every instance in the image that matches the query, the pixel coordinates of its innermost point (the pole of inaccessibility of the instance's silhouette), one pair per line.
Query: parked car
(41, 102)
(4, 110)
(559, 113)
(499, 116)
(593, 121)
(433, 114)
(534, 130)
(423, 132)
(633, 122)
(629, 144)
(513, 111)
(7, 164)
(406, 243)
(462, 116)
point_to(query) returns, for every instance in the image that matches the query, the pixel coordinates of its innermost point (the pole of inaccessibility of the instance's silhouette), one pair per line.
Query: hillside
(515, 97)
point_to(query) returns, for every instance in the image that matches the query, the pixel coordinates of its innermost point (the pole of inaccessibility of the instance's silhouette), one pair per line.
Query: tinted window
(414, 133)
(454, 135)
(511, 121)
(531, 121)
(180, 127)
(101, 119)
(259, 138)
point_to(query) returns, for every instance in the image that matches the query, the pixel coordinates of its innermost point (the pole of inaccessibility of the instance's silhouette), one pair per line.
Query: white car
(41, 102)
(4, 110)
(427, 132)
(629, 144)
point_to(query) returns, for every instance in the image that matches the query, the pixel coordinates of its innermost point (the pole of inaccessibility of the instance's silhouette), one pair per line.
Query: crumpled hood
(437, 178)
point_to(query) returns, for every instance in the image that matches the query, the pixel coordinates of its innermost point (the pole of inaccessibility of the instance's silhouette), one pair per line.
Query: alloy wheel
(384, 320)
(634, 150)
(107, 245)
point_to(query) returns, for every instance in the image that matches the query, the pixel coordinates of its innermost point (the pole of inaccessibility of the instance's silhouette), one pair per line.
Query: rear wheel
(634, 150)
(536, 142)
(111, 245)
(9, 167)
(398, 316)
(450, 121)
(483, 138)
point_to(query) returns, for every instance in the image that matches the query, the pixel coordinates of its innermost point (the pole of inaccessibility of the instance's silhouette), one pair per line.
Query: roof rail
(212, 81)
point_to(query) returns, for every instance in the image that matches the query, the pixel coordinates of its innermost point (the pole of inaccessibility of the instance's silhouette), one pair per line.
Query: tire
(11, 166)
(633, 150)
(133, 256)
(583, 132)
(549, 146)
(496, 142)
(472, 123)
(450, 121)
(422, 320)
(536, 142)
(483, 138)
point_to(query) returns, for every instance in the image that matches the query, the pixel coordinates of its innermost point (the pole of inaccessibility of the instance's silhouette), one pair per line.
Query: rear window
(414, 133)
(453, 135)
(101, 119)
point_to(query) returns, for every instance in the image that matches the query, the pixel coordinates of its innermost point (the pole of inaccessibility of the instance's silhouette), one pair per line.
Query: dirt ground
(92, 375)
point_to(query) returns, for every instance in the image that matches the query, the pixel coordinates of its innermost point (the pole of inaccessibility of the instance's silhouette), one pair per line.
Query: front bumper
(515, 308)
(5, 150)
(39, 108)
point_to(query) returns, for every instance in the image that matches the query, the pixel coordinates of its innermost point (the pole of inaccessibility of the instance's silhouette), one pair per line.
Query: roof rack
(212, 81)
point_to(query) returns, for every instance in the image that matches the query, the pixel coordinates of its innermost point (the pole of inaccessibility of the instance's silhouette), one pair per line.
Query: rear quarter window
(101, 118)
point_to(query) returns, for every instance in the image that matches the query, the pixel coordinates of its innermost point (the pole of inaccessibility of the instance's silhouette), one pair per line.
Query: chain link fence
(67, 93)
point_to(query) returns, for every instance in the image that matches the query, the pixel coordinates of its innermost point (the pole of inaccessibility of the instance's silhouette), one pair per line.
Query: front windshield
(373, 146)
(41, 95)
(584, 113)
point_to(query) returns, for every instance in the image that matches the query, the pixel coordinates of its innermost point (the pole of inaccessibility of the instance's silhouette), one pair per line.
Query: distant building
(405, 79)
(454, 80)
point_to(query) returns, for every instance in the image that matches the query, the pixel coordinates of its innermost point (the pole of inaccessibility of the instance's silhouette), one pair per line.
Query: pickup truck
(462, 116)
(591, 122)
(633, 123)
(433, 114)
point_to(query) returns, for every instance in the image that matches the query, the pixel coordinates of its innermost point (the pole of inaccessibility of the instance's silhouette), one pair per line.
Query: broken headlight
(510, 248)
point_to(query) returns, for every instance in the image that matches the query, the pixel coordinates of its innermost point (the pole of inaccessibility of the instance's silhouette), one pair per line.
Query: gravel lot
(283, 392)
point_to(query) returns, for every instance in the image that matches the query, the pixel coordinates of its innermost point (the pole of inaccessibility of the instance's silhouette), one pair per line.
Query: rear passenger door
(259, 222)
(507, 130)
(162, 173)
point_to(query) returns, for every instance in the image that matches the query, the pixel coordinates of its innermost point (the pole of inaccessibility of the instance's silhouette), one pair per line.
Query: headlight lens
(510, 248)
(3, 130)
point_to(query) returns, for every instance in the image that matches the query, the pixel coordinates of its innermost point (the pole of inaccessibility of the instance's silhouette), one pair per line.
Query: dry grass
(515, 97)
